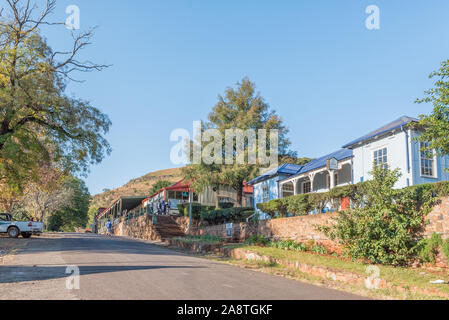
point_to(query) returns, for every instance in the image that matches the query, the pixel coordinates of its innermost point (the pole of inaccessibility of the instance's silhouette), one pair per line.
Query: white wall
(397, 158)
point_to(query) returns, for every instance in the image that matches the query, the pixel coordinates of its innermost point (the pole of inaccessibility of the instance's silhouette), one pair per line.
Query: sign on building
(332, 164)
(229, 230)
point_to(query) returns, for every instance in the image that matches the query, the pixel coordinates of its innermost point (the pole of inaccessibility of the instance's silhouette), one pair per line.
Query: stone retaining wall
(303, 229)
(300, 229)
(139, 228)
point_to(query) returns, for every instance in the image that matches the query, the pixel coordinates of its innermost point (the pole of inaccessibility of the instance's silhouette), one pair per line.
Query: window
(381, 158)
(288, 190)
(306, 187)
(265, 193)
(427, 160)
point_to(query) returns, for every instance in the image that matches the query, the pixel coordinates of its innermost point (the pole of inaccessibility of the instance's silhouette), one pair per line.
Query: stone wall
(300, 229)
(303, 229)
(438, 219)
(139, 228)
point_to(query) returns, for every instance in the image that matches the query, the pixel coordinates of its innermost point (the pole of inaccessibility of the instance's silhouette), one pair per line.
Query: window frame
(309, 183)
(265, 192)
(434, 162)
(376, 158)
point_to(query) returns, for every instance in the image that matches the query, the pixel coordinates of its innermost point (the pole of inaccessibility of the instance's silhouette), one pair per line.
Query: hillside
(136, 187)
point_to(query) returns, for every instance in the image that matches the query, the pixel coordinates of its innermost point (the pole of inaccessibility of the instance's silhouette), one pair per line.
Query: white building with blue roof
(394, 145)
(266, 187)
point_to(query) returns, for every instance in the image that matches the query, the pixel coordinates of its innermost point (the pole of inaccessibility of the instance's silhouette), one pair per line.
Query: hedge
(225, 205)
(197, 209)
(303, 204)
(231, 215)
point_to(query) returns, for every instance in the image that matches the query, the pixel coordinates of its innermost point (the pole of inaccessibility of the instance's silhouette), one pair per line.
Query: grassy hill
(136, 187)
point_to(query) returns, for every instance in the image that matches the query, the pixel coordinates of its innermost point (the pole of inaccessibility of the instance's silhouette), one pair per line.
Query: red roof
(183, 186)
(247, 188)
(178, 186)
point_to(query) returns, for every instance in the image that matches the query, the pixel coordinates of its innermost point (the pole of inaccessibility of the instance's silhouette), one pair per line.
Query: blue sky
(314, 62)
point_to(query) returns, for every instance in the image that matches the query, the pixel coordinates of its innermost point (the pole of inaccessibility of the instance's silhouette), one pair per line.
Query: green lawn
(404, 277)
(200, 239)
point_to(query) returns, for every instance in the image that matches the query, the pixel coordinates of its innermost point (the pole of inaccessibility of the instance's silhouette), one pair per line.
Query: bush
(257, 241)
(289, 245)
(232, 215)
(445, 248)
(225, 205)
(197, 209)
(273, 208)
(384, 230)
(319, 249)
(204, 239)
(303, 204)
(428, 249)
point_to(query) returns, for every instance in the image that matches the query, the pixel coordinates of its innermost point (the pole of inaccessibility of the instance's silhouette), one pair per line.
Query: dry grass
(136, 187)
(399, 277)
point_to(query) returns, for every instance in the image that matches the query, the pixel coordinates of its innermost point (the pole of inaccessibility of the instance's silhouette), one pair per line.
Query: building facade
(266, 187)
(394, 144)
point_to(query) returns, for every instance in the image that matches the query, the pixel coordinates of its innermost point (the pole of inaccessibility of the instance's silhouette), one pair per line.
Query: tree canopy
(159, 185)
(436, 124)
(39, 122)
(75, 213)
(242, 108)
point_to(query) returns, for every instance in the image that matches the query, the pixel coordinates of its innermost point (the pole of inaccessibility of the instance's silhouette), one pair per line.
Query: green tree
(76, 214)
(240, 108)
(38, 120)
(384, 230)
(436, 125)
(159, 185)
(293, 159)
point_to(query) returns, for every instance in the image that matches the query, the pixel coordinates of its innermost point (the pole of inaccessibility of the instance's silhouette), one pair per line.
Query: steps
(167, 228)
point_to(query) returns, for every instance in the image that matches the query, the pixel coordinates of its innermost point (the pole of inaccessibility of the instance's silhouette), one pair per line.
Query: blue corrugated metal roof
(387, 128)
(340, 155)
(288, 168)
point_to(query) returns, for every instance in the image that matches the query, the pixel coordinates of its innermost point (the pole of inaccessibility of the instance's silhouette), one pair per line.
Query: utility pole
(190, 210)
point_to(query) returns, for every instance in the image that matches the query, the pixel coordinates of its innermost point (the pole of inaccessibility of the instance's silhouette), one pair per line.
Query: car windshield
(3, 217)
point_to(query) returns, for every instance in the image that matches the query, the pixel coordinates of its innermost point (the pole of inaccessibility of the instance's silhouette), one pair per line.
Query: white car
(16, 228)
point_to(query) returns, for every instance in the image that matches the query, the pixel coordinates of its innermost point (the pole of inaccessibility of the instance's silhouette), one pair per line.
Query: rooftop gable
(287, 168)
(402, 121)
(340, 155)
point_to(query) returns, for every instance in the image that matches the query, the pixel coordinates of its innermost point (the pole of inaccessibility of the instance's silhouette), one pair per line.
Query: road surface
(121, 269)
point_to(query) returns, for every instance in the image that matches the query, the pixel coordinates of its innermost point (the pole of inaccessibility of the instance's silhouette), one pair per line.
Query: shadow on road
(91, 244)
(26, 274)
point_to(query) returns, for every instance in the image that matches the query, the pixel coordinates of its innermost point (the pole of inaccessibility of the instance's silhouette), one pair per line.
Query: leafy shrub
(303, 204)
(383, 231)
(204, 239)
(445, 248)
(197, 209)
(289, 245)
(428, 249)
(319, 249)
(232, 215)
(225, 205)
(273, 208)
(257, 241)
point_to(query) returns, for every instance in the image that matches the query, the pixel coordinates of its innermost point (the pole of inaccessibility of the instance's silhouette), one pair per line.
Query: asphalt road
(121, 269)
